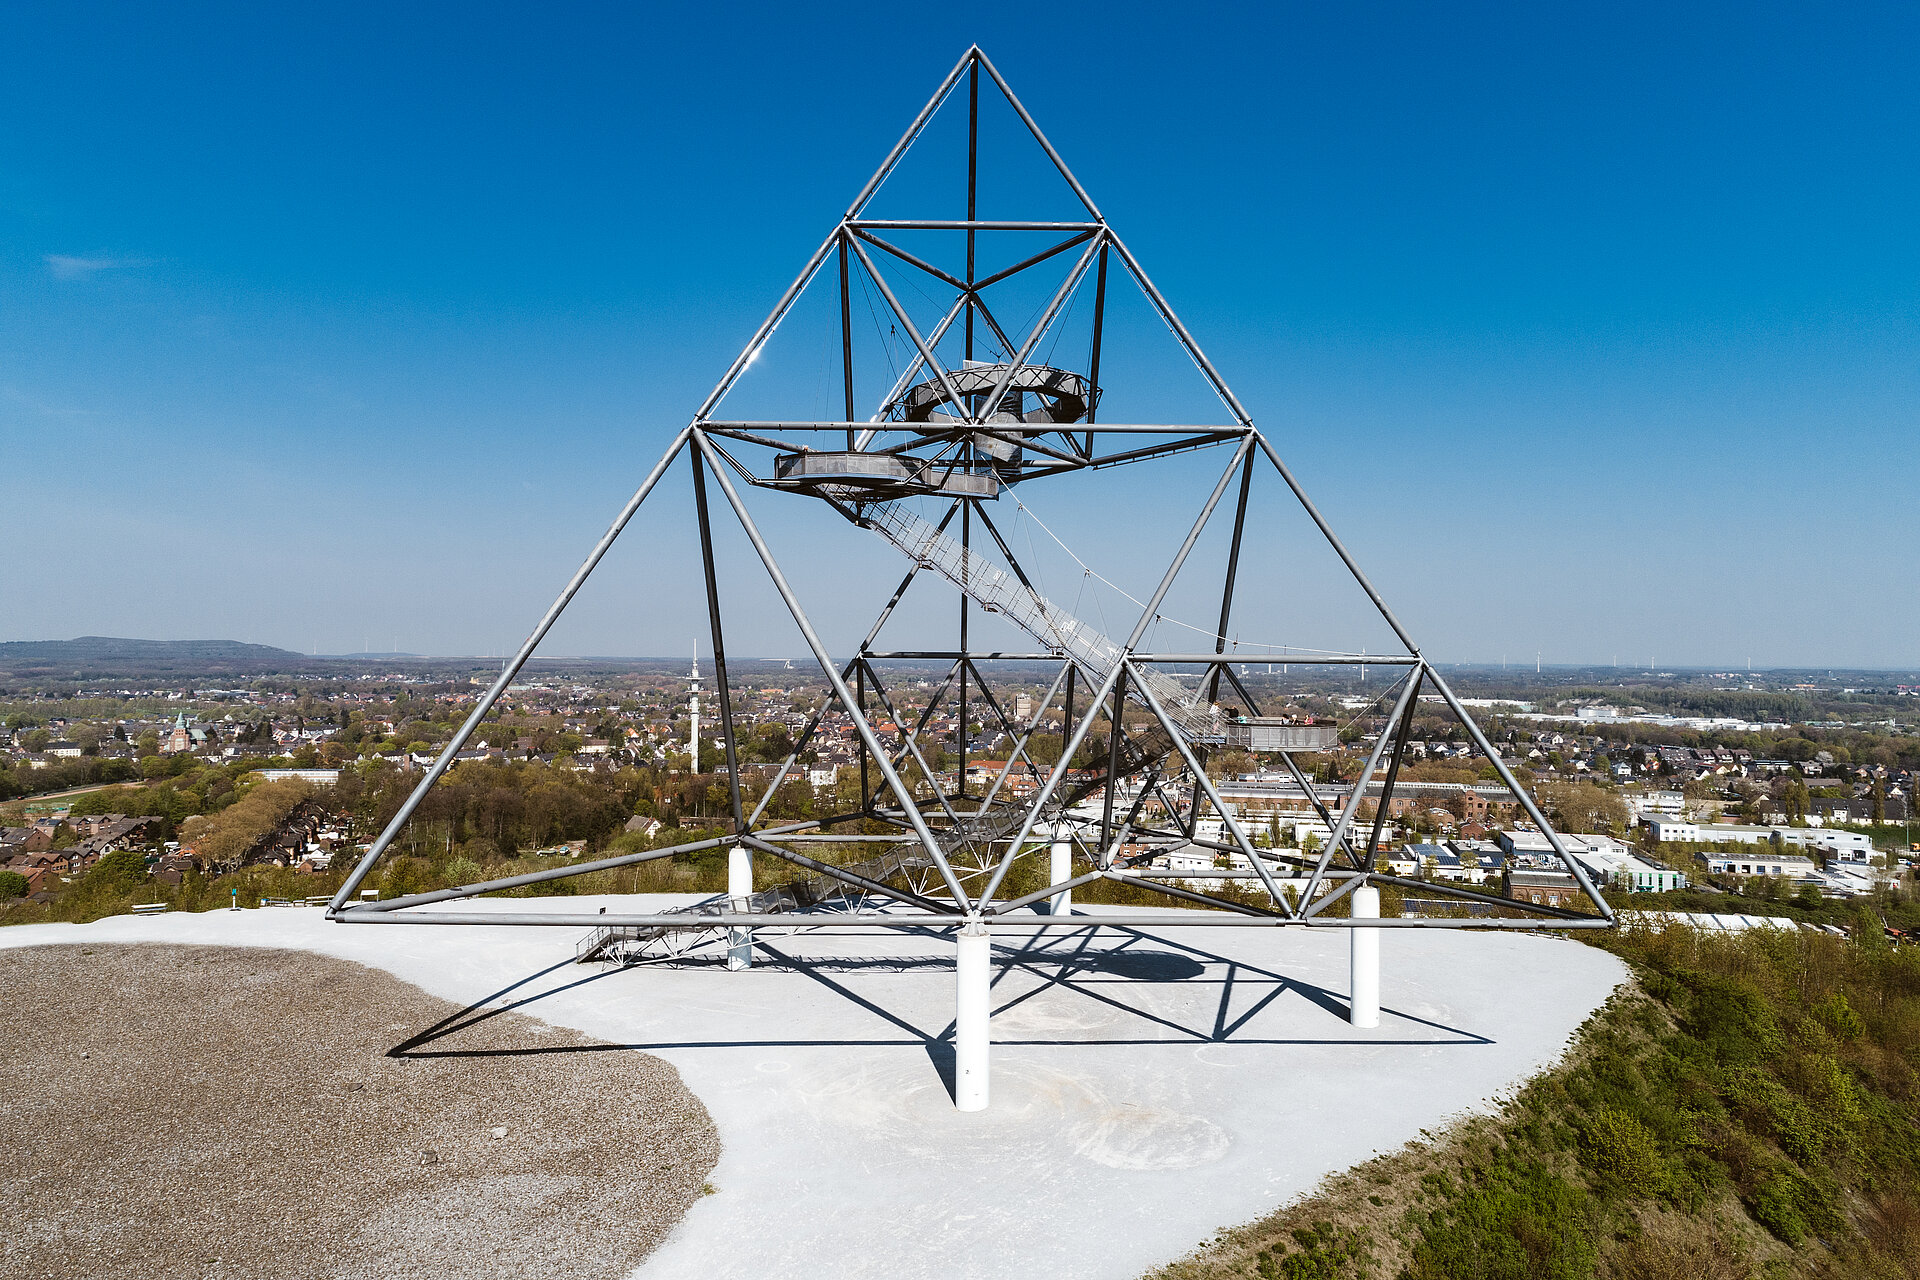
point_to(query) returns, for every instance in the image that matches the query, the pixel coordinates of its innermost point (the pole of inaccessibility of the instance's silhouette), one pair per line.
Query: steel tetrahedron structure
(975, 410)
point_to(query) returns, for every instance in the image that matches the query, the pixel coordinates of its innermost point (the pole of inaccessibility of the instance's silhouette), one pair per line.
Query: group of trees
(62, 775)
(224, 841)
(1582, 806)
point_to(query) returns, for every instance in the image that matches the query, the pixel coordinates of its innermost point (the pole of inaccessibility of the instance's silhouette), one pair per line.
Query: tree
(1793, 798)
(122, 870)
(1879, 800)
(1581, 806)
(12, 885)
(1229, 764)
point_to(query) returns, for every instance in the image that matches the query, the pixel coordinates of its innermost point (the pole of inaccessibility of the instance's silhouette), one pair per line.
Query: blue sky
(1593, 329)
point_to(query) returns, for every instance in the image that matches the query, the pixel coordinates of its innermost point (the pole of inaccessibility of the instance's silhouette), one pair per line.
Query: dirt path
(213, 1111)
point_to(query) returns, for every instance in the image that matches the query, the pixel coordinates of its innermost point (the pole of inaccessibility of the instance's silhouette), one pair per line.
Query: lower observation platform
(889, 475)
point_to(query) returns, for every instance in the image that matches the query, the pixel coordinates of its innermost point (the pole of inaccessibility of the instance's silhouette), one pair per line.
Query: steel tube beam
(1352, 806)
(1038, 331)
(1520, 793)
(766, 328)
(913, 131)
(1034, 261)
(1152, 610)
(912, 261)
(900, 314)
(874, 426)
(1060, 771)
(1021, 737)
(1099, 334)
(1339, 547)
(860, 724)
(913, 748)
(954, 655)
(512, 669)
(552, 873)
(1321, 660)
(1185, 339)
(1385, 801)
(1116, 734)
(846, 338)
(961, 224)
(1186, 895)
(905, 582)
(1230, 432)
(973, 185)
(719, 645)
(1233, 570)
(844, 876)
(1174, 918)
(1013, 100)
(1487, 899)
(800, 745)
(1065, 886)
(1200, 776)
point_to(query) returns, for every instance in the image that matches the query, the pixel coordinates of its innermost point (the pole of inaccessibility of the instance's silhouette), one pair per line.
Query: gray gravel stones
(203, 1111)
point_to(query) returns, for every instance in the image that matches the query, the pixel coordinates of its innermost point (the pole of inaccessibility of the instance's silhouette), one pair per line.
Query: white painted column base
(739, 891)
(970, 1022)
(1364, 977)
(1060, 869)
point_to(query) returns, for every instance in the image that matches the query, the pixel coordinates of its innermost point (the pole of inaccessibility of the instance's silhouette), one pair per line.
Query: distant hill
(113, 656)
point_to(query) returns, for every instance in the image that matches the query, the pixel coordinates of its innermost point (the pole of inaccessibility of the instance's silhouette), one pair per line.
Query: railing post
(1061, 870)
(740, 898)
(1363, 1009)
(972, 1008)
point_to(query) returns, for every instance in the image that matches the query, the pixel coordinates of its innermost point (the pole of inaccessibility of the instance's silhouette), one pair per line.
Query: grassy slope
(1749, 1111)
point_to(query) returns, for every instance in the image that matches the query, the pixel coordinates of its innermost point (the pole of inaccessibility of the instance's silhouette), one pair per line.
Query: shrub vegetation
(1748, 1111)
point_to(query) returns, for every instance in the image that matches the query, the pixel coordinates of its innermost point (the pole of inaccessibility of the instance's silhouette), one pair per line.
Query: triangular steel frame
(967, 843)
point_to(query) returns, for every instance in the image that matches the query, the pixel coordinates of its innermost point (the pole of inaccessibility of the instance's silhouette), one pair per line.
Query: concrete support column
(1061, 869)
(739, 894)
(970, 1020)
(1364, 978)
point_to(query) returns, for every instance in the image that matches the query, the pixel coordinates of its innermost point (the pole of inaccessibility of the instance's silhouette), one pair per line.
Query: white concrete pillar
(740, 895)
(1060, 869)
(970, 1020)
(1364, 977)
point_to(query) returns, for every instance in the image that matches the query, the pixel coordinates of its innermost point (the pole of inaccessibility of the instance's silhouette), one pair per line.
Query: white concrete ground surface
(1148, 1087)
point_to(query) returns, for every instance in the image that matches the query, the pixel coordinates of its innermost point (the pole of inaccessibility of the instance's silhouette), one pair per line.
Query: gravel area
(227, 1111)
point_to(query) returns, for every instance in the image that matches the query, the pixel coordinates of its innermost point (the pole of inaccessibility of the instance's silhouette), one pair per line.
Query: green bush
(12, 884)
(1324, 1254)
(1837, 1015)
(1776, 1206)
(1517, 1221)
(1623, 1153)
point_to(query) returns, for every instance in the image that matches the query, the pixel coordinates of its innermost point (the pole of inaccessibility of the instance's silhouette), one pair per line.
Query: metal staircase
(626, 944)
(998, 591)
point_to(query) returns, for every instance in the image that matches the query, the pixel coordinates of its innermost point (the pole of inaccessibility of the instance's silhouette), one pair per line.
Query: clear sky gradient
(1592, 328)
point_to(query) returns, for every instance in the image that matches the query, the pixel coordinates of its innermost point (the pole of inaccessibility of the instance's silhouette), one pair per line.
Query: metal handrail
(1000, 592)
